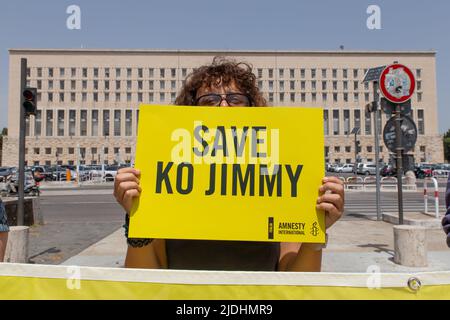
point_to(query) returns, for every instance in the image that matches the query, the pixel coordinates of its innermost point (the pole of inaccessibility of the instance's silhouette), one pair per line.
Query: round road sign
(409, 134)
(397, 83)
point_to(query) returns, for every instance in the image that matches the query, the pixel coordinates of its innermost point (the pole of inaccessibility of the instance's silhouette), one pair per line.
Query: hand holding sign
(126, 187)
(331, 200)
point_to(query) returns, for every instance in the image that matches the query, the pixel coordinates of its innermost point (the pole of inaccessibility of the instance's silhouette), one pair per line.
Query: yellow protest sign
(249, 174)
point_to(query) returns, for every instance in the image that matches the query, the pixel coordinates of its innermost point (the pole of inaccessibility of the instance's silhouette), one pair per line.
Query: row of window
(58, 152)
(163, 85)
(324, 85)
(333, 124)
(335, 97)
(169, 97)
(172, 72)
(313, 73)
(105, 85)
(72, 162)
(348, 149)
(120, 122)
(164, 97)
(105, 72)
(369, 149)
(349, 160)
(75, 123)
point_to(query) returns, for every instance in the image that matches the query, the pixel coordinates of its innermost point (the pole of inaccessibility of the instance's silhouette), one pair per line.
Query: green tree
(447, 146)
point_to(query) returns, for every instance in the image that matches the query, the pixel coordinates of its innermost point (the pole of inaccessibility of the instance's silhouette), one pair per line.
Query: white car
(367, 169)
(441, 170)
(110, 172)
(346, 168)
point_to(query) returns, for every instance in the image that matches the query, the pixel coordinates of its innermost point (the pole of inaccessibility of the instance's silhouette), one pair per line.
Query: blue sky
(230, 24)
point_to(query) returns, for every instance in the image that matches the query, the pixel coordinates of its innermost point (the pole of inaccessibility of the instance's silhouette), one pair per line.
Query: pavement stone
(355, 246)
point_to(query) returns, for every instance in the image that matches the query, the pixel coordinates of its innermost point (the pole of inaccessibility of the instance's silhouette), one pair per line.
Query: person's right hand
(126, 187)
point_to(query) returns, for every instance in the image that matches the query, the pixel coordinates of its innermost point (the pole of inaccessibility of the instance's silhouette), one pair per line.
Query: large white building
(88, 99)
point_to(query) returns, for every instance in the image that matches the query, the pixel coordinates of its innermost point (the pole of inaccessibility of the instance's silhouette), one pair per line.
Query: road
(359, 204)
(76, 219)
(72, 223)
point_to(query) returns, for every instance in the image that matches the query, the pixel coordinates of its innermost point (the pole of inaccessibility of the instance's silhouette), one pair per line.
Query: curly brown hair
(223, 71)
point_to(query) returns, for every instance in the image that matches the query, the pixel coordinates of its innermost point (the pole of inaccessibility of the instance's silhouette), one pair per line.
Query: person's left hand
(331, 199)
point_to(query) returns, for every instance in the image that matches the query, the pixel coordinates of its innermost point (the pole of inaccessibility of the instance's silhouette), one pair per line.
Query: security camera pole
(376, 107)
(373, 75)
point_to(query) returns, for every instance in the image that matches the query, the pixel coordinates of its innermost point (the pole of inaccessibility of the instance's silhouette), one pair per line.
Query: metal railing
(441, 174)
(368, 184)
(436, 195)
(91, 177)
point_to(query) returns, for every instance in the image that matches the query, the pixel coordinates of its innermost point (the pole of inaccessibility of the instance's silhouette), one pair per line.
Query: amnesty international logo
(315, 230)
(270, 229)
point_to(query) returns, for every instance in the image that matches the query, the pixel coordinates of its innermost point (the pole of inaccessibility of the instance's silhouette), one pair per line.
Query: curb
(428, 222)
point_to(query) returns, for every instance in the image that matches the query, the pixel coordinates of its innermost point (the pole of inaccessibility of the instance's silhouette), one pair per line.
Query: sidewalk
(108, 252)
(354, 246)
(64, 185)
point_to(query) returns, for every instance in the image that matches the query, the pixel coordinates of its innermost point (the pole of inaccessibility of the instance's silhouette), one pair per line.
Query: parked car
(59, 173)
(111, 172)
(5, 172)
(43, 171)
(427, 168)
(346, 168)
(420, 174)
(334, 166)
(94, 170)
(388, 171)
(83, 173)
(367, 169)
(124, 165)
(11, 185)
(441, 170)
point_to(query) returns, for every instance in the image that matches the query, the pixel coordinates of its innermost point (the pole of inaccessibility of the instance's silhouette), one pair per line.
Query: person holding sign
(225, 83)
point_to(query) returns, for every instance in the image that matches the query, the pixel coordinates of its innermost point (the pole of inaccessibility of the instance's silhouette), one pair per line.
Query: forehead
(218, 87)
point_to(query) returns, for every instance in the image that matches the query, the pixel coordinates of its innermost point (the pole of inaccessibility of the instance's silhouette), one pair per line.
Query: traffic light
(358, 146)
(30, 101)
(371, 107)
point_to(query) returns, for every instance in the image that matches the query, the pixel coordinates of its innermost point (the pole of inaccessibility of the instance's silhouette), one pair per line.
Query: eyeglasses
(215, 99)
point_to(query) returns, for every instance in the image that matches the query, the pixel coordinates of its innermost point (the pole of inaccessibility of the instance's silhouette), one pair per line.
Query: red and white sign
(397, 83)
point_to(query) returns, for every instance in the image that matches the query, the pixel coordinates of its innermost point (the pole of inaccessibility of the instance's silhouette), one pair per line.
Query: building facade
(88, 100)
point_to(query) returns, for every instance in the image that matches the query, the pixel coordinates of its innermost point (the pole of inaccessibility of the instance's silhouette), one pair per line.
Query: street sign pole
(399, 158)
(355, 169)
(22, 124)
(397, 85)
(377, 149)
